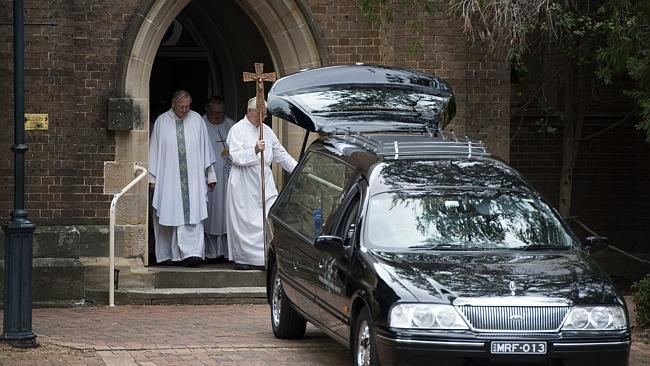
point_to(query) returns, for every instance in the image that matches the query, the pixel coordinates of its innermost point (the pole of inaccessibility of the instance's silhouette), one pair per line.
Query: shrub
(641, 292)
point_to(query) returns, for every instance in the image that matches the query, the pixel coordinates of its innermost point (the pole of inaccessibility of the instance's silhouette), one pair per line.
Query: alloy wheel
(363, 344)
(276, 301)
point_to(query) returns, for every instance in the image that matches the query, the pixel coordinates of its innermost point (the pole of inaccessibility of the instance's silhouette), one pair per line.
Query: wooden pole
(260, 77)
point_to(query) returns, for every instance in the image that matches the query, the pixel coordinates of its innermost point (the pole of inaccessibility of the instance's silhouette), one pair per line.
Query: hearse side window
(348, 225)
(314, 194)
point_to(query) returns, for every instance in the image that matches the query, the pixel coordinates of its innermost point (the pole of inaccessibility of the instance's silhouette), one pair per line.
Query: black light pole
(19, 232)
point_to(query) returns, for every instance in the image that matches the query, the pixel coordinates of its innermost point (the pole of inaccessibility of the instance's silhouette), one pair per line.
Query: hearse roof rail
(391, 146)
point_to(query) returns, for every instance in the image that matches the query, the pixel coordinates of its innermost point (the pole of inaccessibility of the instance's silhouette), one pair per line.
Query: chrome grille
(514, 318)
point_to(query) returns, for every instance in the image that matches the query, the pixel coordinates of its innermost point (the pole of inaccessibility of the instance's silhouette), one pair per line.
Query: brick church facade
(103, 70)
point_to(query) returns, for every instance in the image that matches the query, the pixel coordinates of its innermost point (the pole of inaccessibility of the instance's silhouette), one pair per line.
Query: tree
(628, 51)
(588, 44)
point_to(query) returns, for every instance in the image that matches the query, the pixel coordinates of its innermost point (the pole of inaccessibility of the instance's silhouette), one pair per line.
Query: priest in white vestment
(244, 198)
(180, 176)
(218, 125)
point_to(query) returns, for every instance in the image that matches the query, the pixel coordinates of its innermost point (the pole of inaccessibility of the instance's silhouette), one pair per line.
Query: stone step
(55, 281)
(205, 284)
(218, 276)
(189, 296)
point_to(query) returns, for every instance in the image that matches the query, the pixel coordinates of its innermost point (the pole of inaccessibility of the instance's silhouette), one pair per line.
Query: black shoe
(218, 260)
(165, 263)
(192, 261)
(247, 267)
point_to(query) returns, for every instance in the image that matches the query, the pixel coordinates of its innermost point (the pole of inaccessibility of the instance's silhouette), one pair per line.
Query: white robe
(243, 200)
(216, 244)
(179, 200)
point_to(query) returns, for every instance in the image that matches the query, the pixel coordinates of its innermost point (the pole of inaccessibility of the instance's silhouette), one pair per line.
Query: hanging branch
(622, 120)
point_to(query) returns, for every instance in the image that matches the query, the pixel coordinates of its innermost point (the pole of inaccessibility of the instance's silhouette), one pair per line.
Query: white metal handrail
(111, 235)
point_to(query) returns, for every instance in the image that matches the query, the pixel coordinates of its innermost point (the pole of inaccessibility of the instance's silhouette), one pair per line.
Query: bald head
(252, 114)
(252, 103)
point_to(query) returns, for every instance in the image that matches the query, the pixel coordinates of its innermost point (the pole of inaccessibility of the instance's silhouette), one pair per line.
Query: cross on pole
(259, 77)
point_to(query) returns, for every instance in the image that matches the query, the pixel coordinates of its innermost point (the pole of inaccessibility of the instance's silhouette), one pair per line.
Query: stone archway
(293, 42)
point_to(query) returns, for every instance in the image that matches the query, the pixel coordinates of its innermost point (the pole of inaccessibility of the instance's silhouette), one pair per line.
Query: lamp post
(19, 232)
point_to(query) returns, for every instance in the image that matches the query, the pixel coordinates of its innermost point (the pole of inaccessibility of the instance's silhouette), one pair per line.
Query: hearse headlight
(425, 316)
(595, 318)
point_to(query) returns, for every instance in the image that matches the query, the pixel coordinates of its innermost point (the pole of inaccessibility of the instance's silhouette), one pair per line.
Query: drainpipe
(19, 232)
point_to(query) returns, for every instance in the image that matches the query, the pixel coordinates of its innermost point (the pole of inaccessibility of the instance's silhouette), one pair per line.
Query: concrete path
(177, 335)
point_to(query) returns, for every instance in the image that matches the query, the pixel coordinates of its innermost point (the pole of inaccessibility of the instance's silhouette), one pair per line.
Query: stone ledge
(132, 272)
(206, 277)
(195, 296)
(68, 241)
(85, 241)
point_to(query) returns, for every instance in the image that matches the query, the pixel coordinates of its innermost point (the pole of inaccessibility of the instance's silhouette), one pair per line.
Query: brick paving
(175, 335)
(168, 335)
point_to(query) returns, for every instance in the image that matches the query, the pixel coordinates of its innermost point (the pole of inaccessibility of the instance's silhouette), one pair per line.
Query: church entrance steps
(187, 296)
(208, 276)
(132, 272)
(205, 284)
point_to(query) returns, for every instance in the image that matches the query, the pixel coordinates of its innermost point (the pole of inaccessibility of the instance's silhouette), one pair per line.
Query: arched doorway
(201, 53)
(228, 37)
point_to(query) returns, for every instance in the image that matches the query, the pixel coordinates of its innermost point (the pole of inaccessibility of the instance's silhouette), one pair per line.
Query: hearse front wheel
(365, 351)
(286, 322)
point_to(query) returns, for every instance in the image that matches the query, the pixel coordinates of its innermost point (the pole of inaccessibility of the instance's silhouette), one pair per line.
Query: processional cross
(259, 77)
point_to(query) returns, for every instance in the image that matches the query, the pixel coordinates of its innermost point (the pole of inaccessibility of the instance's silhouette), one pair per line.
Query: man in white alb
(244, 199)
(218, 125)
(180, 176)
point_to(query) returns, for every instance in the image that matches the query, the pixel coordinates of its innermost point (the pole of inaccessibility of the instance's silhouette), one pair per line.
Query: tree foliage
(641, 295)
(378, 11)
(569, 48)
(611, 38)
(586, 42)
(628, 50)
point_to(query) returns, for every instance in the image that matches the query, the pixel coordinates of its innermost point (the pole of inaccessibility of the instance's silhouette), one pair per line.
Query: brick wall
(70, 70)
(611, 193)
(480, 81)
(348, 37)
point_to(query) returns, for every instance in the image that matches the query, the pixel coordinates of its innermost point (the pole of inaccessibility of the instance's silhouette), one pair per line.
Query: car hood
(445, 277)
(362, 98)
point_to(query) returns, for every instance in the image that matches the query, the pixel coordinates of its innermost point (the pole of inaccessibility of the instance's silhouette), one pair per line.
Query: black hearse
(413, 247)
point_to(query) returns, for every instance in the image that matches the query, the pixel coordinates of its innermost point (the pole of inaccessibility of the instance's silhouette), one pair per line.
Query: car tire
(286, 322)
(364, 350)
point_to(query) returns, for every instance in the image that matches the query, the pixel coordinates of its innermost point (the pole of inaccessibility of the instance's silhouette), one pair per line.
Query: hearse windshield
(462, 220)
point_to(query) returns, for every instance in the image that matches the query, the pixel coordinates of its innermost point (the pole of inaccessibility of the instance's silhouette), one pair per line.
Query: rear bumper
(402, 351)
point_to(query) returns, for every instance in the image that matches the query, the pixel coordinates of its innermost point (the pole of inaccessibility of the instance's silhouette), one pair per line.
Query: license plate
(518, 348)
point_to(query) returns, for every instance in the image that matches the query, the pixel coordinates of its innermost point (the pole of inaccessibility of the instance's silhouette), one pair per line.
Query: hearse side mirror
(330, 244)
(596, 244)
